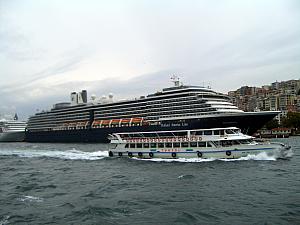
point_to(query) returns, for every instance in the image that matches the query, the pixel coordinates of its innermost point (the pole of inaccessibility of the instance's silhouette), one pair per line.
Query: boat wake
(259, 157)
(68, 154)
(74, 154)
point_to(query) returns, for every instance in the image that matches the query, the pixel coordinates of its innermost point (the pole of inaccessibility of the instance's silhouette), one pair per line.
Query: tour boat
(218, 143)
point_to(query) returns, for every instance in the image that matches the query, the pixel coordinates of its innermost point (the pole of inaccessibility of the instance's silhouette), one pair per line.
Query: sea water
(80, 184)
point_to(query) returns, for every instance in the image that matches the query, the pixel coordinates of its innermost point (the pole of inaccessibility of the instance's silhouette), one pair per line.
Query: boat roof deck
(158, 133)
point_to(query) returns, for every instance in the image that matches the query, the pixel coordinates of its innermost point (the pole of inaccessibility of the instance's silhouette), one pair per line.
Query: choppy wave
(68, 154)
(4, 221)
(28, 198)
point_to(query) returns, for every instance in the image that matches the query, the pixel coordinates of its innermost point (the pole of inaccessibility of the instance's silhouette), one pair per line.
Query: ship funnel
(74, 98)
(79, 98)
(84, 96)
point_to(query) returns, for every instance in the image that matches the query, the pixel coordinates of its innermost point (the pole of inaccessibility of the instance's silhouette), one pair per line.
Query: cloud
(50, 48)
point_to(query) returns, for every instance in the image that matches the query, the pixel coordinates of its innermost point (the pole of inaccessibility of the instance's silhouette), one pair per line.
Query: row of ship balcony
(116, 122)
(98, 124)
(119, 122)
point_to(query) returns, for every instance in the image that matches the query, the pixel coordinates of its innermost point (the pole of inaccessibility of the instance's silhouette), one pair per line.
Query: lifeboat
(145, 123)
(81, 124)
(71, 125)
(125, 121)
(136, 120)
(96, 123)
(115, 121)
(105, 122)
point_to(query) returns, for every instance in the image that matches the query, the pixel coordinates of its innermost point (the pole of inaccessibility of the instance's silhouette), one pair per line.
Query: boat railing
(112, 137)
(176, 139)
(162, 139)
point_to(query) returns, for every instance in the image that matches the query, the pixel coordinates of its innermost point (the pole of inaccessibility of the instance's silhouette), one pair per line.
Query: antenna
(175, 79)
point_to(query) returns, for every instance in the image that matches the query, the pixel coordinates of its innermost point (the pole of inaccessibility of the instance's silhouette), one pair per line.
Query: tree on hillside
(292, 120)
(272, 124)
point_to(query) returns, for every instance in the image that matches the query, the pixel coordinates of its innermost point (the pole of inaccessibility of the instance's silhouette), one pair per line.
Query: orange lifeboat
(105, 122)
(137, 120)
(115, 121)
(125, 120)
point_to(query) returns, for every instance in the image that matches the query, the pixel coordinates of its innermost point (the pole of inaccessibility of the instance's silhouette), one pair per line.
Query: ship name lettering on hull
(174, 124)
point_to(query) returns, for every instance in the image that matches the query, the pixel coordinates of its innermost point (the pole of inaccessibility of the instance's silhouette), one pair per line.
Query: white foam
(287, 154)
(177, 160)
(69, 154)
(263, 156)
(28, 198)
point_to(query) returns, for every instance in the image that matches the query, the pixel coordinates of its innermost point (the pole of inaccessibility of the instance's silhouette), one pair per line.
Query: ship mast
(16, 116)
(176, 80)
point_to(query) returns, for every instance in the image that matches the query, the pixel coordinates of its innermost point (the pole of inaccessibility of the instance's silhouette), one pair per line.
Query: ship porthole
(199, 154)
(140, 154)
(111, 154)
(174, 154)
(151, 154)
(228, 153)
(120, 154)
(130, 154)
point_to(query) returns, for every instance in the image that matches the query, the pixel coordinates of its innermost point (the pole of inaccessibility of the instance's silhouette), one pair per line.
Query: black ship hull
(247, 122)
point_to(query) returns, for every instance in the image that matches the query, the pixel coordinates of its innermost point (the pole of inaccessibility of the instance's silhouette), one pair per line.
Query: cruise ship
(12, 130)
(174, 108)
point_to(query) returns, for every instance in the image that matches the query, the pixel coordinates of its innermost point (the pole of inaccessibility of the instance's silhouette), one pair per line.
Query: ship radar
(176, 80)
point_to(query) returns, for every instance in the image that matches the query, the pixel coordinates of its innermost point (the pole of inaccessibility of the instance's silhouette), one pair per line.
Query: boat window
(199, 132)
(207, 132)
(193, 132)
(216, 132)
(146, 145)
(229, 132)
(113, 146)
(168, 145)
(201, 144)
(226, 143)
(139, 145)
(209, 144)
(244, 141)
(251, 141)
(153, 145)
(127, 145)
(132, 145)
(235, 142)
(236, 131)
(161, 145)
(193, 144)
(184, 144)
(176, 144)
(216, 143)
(222, 132)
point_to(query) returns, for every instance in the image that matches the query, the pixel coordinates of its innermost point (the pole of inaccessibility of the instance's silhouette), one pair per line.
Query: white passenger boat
(217, 143)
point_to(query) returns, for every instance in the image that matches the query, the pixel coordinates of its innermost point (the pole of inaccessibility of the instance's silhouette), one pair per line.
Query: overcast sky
(50, 48)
